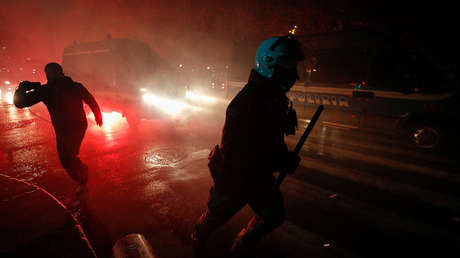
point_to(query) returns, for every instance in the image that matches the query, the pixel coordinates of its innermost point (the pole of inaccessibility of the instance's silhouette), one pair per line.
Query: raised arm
(91, 101)
(28, 94)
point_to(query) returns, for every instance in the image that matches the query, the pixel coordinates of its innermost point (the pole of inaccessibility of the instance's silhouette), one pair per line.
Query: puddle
(162, 158)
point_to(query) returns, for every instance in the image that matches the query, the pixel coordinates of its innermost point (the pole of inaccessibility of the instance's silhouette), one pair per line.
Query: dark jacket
(64, 100)
(253, 135)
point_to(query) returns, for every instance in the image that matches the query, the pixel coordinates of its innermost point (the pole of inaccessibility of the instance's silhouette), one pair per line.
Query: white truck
(121, 73)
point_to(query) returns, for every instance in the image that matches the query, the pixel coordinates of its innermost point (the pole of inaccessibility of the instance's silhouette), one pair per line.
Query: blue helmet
(284, 51)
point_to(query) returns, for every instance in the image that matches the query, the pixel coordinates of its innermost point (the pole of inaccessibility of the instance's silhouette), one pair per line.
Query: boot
(241, 247)
(245, 244)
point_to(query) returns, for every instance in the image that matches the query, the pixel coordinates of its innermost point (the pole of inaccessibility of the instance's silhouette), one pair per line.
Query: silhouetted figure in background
(253, 148)
(64, 99)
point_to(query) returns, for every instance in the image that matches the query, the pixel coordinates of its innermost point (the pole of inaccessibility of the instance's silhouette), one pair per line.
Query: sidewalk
(34, 223)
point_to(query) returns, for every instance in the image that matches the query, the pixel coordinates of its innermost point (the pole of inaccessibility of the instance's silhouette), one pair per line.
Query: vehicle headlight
(169, 106)
(199, 98)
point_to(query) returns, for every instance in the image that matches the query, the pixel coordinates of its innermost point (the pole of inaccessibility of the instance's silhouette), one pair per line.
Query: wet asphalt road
(356, 194)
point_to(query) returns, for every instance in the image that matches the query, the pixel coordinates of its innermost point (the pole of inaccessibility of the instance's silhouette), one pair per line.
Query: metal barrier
(133, 246)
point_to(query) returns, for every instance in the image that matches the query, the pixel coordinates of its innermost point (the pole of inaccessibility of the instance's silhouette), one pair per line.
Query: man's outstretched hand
(98, 118)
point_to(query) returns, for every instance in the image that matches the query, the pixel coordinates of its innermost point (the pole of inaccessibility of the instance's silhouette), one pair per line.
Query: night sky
(203, 31)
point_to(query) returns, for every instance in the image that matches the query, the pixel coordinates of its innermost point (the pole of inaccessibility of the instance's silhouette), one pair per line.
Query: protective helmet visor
(287, 62)
(291, 51)
(286, 76)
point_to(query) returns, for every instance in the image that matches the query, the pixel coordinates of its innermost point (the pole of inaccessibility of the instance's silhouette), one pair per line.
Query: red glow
(111, 121)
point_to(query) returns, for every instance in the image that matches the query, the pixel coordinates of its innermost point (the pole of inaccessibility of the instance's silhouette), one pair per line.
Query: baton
(302, 140)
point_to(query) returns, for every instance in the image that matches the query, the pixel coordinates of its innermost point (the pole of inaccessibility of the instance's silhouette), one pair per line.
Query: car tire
(425, 136)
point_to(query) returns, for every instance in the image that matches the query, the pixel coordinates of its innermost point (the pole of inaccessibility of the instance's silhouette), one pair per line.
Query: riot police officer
(64, 99)
(252, 148)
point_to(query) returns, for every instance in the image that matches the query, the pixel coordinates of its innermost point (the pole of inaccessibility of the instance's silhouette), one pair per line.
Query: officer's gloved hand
(290, 162)
(98, 118)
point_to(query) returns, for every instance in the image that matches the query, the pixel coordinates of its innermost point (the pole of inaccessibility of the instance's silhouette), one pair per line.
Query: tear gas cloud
(186, 32)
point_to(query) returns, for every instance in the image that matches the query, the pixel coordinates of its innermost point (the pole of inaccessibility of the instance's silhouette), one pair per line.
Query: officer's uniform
(252, 148)
(63, 98)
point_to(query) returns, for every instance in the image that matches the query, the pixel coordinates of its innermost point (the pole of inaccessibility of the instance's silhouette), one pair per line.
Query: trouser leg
(221, 208)
(68, 147)
(269, 208)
